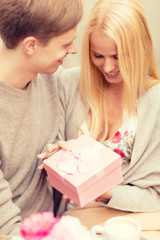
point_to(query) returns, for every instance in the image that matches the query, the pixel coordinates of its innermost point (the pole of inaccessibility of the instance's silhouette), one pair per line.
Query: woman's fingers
(67, 199)
(65, 144)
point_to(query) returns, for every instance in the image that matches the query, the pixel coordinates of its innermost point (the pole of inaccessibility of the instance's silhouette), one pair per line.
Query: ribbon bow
(79, 159)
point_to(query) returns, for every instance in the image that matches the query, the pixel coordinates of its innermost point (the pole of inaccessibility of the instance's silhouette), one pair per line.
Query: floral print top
(122, 141)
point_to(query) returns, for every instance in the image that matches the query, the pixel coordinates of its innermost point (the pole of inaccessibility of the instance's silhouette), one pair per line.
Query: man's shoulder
(51, 76)
(70, 74)
(69, 78)
(71, 70)
(63, 73)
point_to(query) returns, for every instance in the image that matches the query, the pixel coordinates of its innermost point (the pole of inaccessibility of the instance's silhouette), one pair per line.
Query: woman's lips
(112, 75)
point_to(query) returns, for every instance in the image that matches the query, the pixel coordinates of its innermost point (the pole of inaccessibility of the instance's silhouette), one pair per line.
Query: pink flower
(116, 138)
(126, 133)
(60, 232)
(118, 151)
(69, 228)
(38, 225)
(43, 226)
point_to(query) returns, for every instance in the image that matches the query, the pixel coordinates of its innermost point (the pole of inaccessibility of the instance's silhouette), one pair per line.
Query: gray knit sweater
(140, 190)
(29, 119)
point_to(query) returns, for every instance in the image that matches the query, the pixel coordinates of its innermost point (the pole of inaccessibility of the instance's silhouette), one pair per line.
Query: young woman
(119, 103)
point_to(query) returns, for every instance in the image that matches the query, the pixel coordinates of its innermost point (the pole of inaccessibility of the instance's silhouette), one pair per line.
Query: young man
(36, 36)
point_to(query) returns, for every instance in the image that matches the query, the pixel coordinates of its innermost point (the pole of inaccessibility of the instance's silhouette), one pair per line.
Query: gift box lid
(107, 162)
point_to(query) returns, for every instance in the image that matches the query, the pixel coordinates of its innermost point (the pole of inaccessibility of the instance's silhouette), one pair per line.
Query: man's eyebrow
(67, 44)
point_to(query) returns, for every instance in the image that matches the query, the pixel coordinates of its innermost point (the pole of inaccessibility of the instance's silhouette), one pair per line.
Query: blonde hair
(124, 22)
(42, 19)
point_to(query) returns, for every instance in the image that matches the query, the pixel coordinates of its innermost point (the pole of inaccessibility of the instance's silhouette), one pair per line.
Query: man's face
(48, 58)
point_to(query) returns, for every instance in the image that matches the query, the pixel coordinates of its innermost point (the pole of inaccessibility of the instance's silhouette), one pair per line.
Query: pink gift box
(87, 182)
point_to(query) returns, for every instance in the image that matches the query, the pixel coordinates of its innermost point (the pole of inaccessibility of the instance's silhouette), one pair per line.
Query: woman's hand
(68, 200)
(105, 197)
(53, 148)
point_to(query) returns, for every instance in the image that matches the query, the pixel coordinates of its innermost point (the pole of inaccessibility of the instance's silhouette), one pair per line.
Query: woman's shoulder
(155, 89)
(149, 103)
(152, 94)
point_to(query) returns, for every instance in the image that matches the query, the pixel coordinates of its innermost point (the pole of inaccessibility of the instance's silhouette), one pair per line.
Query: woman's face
(104, 55)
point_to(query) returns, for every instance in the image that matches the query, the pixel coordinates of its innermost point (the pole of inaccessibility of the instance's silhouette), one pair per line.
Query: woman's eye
(97, 55)
(115, 57)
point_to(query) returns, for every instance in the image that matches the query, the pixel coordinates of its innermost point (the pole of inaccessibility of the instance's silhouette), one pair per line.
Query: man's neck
(14, 70)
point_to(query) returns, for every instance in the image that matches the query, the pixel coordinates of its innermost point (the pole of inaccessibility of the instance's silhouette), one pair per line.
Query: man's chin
(51, 71)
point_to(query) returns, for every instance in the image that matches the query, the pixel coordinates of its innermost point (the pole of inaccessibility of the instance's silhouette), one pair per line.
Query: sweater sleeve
(140, 190)
(29, 121)
(10, 222)
(72, 108)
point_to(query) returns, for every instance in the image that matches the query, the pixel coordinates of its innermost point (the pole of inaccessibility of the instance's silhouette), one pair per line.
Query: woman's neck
(115, 88)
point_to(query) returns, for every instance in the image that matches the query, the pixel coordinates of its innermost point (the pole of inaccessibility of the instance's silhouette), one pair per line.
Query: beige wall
(152, 10)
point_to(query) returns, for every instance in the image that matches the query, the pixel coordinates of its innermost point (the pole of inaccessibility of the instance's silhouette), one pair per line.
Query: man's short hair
(42, 19)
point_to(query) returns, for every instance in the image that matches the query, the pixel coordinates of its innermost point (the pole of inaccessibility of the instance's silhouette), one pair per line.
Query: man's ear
(29, 45)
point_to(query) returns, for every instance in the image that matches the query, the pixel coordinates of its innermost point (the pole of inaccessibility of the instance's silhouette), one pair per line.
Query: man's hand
(53, 148)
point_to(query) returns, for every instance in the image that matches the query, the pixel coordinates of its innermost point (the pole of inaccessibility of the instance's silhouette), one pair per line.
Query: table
(97, 214)
(4, 237)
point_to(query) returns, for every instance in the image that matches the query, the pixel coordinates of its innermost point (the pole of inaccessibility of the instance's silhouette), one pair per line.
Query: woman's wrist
(106, 197)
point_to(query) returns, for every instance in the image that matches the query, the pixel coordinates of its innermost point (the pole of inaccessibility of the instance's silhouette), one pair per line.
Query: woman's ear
(29, 45)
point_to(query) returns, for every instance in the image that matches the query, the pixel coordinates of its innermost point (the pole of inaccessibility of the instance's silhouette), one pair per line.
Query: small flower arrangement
(45, 226)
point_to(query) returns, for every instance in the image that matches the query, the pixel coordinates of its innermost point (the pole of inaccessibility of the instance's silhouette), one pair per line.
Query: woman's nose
(108, 65)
